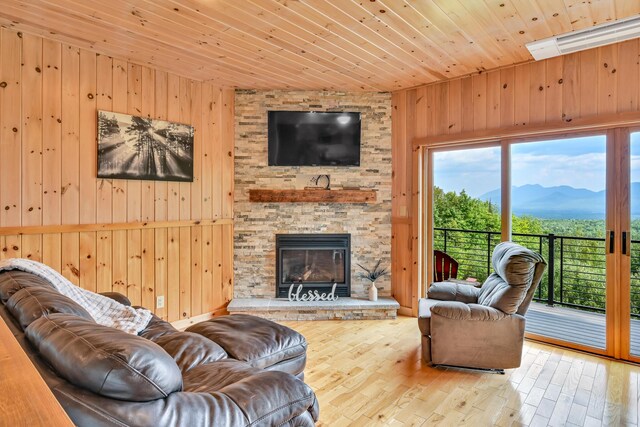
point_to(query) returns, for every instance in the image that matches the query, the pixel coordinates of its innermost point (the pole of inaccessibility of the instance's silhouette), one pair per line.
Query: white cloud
(578, 171)
(478, 170)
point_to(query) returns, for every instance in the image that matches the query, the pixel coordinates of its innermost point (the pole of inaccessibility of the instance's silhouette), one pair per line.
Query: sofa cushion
(267, 398)
(214, 376)
(30, 303)
(117, 297)
(450, 291)
(11, 281)
(455, 310)
(105, 360)
(186, 348)
(190, 350)
(263, 343)
(273, 398)
(156, 328)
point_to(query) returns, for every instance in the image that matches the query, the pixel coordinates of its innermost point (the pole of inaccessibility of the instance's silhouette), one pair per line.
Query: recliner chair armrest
(456, 310)
(450, 291)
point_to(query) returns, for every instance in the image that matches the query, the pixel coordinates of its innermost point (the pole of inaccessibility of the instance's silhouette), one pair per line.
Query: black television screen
(307, 138)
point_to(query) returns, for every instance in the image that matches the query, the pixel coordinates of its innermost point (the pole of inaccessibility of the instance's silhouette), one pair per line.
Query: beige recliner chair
(482, 328)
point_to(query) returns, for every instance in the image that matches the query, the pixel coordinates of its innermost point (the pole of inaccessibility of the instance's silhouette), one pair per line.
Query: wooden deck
(574, 325)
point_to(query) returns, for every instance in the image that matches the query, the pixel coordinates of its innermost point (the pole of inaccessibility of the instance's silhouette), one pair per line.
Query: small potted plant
(372, 275)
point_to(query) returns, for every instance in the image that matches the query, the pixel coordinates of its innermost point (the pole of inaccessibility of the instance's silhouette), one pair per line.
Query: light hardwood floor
(368, 373)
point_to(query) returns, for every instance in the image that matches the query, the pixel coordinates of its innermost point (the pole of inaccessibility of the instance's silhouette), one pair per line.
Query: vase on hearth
(373, 292)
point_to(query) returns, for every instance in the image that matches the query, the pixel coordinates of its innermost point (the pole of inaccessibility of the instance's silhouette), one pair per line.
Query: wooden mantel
(312, 196)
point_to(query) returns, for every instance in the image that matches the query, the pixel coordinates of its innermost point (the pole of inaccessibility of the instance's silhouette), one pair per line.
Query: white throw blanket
(104, 310)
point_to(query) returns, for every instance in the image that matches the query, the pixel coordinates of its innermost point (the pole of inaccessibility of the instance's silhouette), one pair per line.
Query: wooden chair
(444, 266)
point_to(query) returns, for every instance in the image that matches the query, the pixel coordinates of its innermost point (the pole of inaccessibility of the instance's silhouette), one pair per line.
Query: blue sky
(577, 162)
(635, 157)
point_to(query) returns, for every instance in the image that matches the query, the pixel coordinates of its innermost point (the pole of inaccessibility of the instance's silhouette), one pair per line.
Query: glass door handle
(612, 235)
(626, 243)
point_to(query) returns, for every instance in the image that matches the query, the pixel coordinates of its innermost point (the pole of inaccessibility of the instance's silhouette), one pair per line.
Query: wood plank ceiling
(312, 44)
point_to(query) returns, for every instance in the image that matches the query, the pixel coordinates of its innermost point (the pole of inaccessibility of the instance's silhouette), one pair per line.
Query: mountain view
(560, 202)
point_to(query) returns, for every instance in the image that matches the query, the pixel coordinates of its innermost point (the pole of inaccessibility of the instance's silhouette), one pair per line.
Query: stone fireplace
(315, 261)
(256, 224)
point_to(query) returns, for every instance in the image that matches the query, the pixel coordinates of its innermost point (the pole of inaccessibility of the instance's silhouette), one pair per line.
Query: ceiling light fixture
(575, 41)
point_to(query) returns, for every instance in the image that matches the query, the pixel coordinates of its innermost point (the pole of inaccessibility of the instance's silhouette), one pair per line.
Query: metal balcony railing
(576, 266)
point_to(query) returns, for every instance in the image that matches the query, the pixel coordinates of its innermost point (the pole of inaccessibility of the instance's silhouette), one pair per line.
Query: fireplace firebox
(315, 261)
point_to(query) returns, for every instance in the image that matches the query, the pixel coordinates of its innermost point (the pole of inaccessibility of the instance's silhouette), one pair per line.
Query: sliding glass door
(558, 208)
(574, 198)
(631, 265)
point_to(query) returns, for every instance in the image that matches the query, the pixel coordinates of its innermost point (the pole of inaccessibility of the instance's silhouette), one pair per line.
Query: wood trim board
(553, 128)
(75, 228)
(312, 196)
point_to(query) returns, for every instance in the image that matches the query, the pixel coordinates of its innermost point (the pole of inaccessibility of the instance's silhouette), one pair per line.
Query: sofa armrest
(450, 291)
(116, 296)
(456, 310)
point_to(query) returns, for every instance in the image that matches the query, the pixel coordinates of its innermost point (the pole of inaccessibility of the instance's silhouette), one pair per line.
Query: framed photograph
(132, 147)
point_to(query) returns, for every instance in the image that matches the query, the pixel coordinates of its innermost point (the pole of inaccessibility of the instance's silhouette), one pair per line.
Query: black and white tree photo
(132, 147)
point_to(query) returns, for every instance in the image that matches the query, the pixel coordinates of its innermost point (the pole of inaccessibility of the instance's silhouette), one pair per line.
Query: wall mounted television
(310, 138)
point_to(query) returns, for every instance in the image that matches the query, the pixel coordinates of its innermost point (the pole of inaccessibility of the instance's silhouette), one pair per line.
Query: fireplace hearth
(315, 261)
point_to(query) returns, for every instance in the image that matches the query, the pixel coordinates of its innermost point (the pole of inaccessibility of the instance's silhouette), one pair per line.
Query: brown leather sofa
(162, 377)
(482, 328)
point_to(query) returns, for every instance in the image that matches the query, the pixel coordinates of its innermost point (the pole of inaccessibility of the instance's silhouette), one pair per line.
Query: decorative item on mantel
(312, 295)
(372, 275)
(314, 182)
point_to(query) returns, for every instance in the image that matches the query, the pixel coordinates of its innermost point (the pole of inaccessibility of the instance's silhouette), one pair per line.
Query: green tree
(461, 211)
(526, 225)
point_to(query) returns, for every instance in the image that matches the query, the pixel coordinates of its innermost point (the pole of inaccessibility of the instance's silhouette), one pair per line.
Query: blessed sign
(311, 295)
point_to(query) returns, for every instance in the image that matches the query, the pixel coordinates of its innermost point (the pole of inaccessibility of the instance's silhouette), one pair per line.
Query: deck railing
(576, 266)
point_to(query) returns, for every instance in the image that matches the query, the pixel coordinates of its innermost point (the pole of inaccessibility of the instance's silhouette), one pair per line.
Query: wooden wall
(141, 238)
(601, 81)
